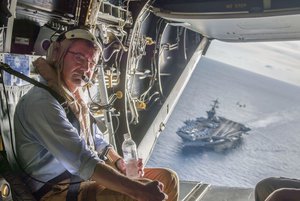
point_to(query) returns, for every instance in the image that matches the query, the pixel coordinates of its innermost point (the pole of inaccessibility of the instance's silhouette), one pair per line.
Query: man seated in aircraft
(277, 189)
(53, 148)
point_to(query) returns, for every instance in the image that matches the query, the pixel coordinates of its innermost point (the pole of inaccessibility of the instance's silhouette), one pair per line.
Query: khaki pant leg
(58, 193)
(265, 187)
(89, 191)
(166, 176)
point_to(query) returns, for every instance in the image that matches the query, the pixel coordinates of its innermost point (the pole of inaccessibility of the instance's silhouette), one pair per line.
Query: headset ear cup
(53, 52)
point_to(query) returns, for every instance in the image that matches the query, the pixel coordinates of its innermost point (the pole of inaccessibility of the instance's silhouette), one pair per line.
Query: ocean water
(268, 106)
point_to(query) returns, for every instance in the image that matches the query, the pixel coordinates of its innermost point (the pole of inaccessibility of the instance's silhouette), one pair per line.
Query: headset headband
(78, 34)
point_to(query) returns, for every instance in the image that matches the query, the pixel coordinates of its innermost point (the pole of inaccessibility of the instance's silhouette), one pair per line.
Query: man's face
(80, 60)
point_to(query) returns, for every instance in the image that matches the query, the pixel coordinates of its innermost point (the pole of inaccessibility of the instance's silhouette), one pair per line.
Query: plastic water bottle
(130, 156)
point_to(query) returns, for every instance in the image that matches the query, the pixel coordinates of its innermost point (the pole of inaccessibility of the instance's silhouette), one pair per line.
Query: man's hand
(120, 164)
(140, 165)
(153, 192)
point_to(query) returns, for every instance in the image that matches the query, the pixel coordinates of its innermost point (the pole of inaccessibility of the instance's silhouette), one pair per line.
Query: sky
(279, 60)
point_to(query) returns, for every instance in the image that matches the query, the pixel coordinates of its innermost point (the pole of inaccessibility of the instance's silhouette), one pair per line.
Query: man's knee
(171, 175)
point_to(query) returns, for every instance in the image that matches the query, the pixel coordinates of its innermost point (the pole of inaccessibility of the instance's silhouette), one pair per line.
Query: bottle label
(132, 168)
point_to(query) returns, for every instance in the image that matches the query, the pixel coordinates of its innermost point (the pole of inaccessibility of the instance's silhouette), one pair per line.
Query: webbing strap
(48, 186)
(74, 186)
(73, 191)
(8, 69)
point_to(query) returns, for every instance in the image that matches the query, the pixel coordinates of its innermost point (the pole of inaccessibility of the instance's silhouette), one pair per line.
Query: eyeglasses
(80, 59)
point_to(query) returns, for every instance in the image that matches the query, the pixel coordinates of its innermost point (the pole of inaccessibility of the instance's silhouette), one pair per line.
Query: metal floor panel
(187, 188)
(195, 191)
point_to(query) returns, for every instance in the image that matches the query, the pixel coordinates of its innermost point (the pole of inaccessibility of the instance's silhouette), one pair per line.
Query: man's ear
(53, 52)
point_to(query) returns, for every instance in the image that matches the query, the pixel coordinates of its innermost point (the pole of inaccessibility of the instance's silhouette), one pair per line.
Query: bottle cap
(126, 136)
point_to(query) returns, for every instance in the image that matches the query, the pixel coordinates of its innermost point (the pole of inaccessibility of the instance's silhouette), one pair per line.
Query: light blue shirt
(47, 144)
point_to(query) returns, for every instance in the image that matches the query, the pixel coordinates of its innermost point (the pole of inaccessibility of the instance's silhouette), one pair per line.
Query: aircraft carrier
(212, 132)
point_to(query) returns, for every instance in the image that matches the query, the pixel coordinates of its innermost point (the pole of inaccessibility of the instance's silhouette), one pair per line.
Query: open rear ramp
(195, 191)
